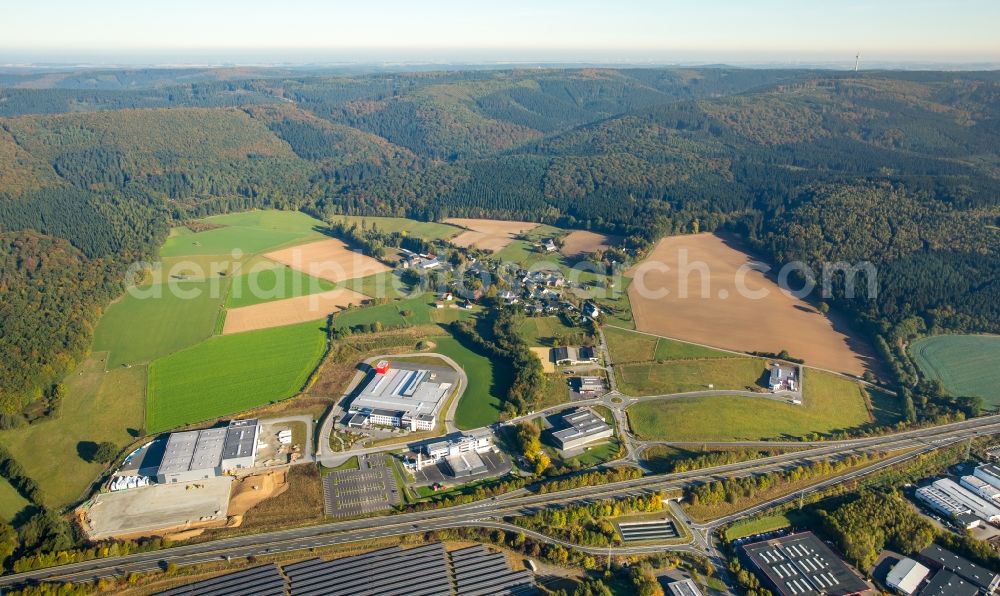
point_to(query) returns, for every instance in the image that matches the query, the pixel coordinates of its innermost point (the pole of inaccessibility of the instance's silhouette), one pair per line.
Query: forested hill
(898, 168)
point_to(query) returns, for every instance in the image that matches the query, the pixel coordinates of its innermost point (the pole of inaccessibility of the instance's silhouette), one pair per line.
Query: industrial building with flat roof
(582, 427)
(941, 501)
(588, 385)
(463, 465)
(461, 455)
(801, 565)
(946, 583)
(906, 576)
(684, 587)
(980, 577)
(199, 454)
(981, 488)
(988, 473)
(980, 507)
(403, 395)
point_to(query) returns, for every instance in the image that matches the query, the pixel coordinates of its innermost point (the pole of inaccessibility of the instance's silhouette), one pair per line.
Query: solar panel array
(420, 571)
(265, 580)
(663, 529)
(479, 572)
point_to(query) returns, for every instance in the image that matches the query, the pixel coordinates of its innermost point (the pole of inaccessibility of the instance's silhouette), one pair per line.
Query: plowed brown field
(289, 311)
(715, 313)
(488, 234)
(330, 259)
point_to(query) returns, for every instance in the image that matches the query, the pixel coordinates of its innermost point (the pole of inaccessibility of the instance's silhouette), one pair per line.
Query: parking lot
(496, 465)
(370, 488)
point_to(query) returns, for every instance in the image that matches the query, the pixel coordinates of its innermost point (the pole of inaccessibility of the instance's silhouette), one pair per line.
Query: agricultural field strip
(736, 353)
(289, 311)
(965, 364)
(769, 322)
(945, 434)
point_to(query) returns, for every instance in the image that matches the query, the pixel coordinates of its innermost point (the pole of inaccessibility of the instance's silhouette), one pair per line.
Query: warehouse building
(801, 565)
(941, 502)
(981, 488)
(938, 558)
(403, 395)
(588, 385)
(200, 454)
(240, 447)
(582, 427)
(906, 576)
(946, 583)
(980, 507)
(988, 473)
(463, 465)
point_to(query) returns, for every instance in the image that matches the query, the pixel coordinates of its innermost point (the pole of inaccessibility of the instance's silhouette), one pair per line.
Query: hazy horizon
(254, 32)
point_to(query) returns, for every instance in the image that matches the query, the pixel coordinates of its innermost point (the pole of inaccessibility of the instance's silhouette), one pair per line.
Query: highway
(517, 503)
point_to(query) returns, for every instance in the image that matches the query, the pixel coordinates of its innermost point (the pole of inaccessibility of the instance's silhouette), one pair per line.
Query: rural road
(474, 514)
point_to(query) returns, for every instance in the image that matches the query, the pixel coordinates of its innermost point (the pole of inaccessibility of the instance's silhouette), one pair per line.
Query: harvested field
(488, 234)
(290, 311)
(581, 242)
(544, 354)
(329, 259)
(703, 304)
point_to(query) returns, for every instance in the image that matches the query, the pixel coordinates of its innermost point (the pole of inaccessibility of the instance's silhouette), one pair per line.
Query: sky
(732, 31)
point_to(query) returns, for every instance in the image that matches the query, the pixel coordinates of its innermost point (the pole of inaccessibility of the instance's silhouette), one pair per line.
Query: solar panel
(263, 580)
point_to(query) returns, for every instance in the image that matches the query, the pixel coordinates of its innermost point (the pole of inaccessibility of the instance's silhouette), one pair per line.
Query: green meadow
(488, 380)
(411, 311)
(11, 501)
(98, 406)
(631, 346)
(273, 283)
(152, 321)
(830, 404)
(411, 227)
(967, 365)
(250, 232)
(229, 374)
